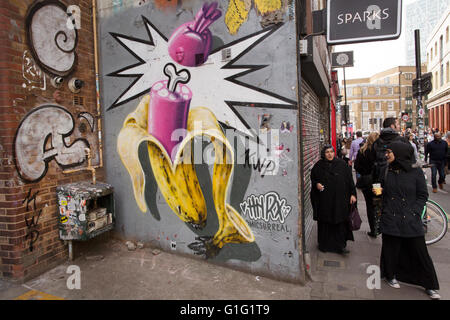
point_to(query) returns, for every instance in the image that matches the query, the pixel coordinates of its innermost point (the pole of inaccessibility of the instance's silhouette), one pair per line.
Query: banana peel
(178, 180)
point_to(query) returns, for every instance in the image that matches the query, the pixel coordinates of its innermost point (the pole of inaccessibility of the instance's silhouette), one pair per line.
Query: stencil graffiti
(44, 135)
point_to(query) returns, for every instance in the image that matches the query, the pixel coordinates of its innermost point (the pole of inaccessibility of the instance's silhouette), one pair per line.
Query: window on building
(447, 74)
(390, 105)
(408, 102)
(408, 91)
(435, 49)
(431, 54)
(365, 106)
(377, 91)
(378, 106)
(408, 76)
(386, 80)
(446, 34)
(441, 47)
(442, 75)
(390, 90)
(436, 83)
(364, 91)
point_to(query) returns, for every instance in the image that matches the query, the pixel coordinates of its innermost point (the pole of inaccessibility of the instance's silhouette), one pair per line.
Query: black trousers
(370, 208)
(407, 260)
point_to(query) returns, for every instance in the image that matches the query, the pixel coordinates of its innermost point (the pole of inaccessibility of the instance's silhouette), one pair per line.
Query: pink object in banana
(169, 109)
(190, 44)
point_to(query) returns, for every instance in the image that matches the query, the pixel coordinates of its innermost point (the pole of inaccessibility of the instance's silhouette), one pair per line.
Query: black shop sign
(354, 21)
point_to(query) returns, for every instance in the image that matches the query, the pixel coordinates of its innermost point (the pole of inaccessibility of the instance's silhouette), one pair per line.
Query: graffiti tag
(32, 224)
(44, 135)
(267, 207)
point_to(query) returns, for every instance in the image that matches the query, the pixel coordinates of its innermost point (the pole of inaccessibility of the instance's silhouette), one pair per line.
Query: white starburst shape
(214, 84)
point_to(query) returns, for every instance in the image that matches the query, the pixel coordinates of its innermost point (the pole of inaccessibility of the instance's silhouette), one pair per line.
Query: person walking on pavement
(447, 168)
(364, 166)
(354, 148)
(410, 138)
(388, 134)
(346, 150)
(437, 149)
(404, 254)
(332, 193)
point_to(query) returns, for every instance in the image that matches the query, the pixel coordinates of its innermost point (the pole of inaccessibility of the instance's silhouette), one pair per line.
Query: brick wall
(28, 248)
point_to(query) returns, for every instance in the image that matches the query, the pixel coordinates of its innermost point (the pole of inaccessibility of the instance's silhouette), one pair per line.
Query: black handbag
(364, 181)
(355, 219)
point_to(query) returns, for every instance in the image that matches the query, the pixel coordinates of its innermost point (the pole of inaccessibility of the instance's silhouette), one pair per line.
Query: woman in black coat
(364, 164)
(404, 255)
(332, 192)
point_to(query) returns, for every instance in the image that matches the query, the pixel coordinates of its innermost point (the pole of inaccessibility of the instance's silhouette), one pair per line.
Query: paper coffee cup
(377, 188)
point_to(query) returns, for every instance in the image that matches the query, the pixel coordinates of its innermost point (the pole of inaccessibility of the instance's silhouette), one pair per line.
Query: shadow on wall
(243, 251)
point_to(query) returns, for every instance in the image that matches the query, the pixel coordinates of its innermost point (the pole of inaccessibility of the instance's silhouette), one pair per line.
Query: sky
(372, 57)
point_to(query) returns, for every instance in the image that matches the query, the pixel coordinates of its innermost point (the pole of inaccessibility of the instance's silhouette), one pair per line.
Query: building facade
(45, 126)
(422, 15)
(385, 94)
(261, 107)
(438, 59)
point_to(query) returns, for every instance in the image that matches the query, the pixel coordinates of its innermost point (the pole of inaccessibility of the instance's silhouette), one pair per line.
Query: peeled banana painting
(167, 109)
(201, 121)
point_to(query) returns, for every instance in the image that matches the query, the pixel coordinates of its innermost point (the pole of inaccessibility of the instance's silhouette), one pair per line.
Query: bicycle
(435, 222)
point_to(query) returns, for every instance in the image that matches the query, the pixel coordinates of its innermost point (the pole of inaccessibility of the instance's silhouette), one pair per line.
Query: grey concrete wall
(269, 92)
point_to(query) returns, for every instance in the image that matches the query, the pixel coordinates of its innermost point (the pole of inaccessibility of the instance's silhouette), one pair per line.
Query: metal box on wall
(85, 210)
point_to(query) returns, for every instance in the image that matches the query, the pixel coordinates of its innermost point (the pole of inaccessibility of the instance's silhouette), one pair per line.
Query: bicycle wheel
(434, 222)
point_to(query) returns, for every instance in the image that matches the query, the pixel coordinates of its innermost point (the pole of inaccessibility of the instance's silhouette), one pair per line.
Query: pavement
(109, 271)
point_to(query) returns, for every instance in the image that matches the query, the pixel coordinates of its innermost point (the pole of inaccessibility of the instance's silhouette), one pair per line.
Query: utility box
(85, 210)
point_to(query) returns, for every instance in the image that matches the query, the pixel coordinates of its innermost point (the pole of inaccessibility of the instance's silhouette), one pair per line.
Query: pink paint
(190, 44)
(168, 111)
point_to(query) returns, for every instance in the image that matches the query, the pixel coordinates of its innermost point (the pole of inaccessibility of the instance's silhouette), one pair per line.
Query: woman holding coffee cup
(404, 255)
(332, 193)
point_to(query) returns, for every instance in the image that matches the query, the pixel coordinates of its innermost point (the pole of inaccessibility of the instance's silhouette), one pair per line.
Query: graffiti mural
(44, 135)
(153, 57)
(197, 130)
(168, 109)
(51, 41)
(238, 11)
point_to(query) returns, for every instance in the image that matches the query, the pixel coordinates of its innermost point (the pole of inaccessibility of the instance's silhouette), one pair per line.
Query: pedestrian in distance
(404, 254)
(410, 138)
(437, 151)
(388, 134)
(364, 166)
(447, 168)
(354, 147)
(346, 150)
(339, 146)
(332, 194)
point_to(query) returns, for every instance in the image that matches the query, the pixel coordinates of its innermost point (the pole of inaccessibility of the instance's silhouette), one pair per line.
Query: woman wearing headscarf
(332, 193)
(364, 164)
(404, 255)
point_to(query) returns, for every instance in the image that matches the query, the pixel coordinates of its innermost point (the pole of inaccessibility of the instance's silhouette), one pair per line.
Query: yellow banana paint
(178, 181)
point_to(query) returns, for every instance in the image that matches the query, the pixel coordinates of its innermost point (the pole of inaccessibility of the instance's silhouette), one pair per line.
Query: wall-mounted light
(75, 85)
